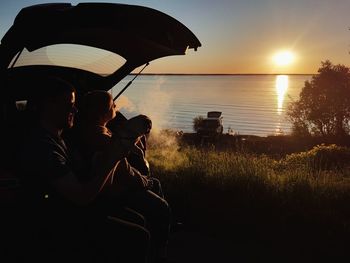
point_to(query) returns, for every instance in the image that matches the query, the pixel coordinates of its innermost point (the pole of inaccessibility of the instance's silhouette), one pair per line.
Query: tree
(323, 107)
(197, 122)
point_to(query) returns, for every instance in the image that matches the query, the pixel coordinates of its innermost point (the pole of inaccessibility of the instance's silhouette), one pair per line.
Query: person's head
(98, 107)
(56, 102)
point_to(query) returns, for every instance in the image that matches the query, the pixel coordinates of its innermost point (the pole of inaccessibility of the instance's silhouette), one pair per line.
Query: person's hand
(149, 184)
(136, 149)
(135, 127)
(133, 145)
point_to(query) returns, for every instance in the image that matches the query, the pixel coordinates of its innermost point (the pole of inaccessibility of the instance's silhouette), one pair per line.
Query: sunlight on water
(281, 89)
(251, 104)
(278, 129)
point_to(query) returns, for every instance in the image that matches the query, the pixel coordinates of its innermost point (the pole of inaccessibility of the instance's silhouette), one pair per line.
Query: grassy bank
(296, 204)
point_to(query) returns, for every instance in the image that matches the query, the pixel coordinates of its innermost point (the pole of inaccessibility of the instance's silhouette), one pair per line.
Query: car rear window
(92, 59)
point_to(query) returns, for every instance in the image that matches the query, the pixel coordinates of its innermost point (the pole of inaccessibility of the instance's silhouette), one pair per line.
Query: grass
(302, 198)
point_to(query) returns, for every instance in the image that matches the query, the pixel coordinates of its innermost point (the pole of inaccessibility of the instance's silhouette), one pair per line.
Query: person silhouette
(66, 219)
(128, 186)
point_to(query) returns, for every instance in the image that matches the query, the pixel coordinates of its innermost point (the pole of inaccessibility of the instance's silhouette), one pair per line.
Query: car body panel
(138, 34)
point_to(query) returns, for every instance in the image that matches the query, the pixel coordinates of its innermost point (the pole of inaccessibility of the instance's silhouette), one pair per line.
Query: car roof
(138, 34)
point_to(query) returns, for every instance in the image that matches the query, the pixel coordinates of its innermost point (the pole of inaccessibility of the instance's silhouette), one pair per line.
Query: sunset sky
(244, 36)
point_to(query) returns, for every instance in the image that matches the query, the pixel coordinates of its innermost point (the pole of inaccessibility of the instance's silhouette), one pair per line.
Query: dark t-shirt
(43, 159)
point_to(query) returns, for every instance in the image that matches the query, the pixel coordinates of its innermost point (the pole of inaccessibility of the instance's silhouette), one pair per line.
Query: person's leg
(121, 241)
(153, 207)
(156, 211)
(115, 206)
(130, 215)
(156, 187)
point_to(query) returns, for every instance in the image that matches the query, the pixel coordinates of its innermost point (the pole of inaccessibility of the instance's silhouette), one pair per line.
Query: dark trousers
(156, 211)
(147, 208)
(124, 241)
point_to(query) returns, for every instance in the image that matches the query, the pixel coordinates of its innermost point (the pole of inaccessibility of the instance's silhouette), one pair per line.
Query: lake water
(250, 104)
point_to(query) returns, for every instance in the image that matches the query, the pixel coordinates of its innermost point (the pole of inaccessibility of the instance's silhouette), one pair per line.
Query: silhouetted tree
(197, 122)
(323, 107)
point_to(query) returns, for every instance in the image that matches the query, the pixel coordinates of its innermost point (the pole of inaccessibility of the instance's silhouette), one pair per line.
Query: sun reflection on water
(279, 130)
(281, 89)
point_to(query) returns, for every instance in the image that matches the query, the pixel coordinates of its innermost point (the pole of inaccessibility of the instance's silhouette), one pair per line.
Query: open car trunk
(137, 34)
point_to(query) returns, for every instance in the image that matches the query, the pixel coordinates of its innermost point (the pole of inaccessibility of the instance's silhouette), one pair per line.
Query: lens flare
(283, 58)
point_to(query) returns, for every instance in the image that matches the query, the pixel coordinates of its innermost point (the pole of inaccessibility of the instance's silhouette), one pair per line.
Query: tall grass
(222, 191)
(320, 168)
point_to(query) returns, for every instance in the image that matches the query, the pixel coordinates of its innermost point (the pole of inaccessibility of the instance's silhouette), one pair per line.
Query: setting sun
(283, 58)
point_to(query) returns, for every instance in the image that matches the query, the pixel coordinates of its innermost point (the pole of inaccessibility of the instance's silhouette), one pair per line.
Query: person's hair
(52, 87)
(46, 89)
(94, 104)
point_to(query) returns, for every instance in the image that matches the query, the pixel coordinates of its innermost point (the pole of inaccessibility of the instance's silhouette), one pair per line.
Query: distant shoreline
(214, 74)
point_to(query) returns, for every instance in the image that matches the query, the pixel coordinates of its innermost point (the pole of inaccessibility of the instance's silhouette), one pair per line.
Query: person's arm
(82, 194)
(138, 180)
(129, 177)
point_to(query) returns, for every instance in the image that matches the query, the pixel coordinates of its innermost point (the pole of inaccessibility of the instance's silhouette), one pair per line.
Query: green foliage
(220, 191)
(229, 169)
(197, 122)
(324, 104)
(319, 158)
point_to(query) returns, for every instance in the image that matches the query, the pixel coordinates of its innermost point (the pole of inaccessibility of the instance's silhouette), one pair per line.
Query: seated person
(91, 135)
(63, 204)
(132, 189)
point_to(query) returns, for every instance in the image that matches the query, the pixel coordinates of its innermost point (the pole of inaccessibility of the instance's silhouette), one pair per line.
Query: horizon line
(224, 74)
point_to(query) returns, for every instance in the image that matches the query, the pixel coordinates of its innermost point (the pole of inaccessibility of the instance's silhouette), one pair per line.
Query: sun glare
(283, 58)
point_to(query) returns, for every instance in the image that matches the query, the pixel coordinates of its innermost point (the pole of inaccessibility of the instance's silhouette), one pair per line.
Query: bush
(197, 122)
(321, 157)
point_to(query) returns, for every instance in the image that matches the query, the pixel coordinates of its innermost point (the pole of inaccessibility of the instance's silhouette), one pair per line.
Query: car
(91, 45)
(212, 125)
(45, 38)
